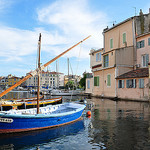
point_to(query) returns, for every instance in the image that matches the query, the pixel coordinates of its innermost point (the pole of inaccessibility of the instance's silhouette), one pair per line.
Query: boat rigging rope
(77, 67)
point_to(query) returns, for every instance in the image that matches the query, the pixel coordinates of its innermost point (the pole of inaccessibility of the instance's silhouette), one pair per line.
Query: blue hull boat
(28, 139)
(49, 116)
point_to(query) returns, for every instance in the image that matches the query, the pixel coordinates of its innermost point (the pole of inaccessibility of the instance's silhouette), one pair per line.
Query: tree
(70, 85)
(83, 82)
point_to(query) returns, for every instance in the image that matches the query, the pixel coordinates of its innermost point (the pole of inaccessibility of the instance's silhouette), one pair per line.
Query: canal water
(113, 125)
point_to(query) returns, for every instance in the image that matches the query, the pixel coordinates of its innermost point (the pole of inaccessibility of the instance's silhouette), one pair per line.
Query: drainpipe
(134, 41)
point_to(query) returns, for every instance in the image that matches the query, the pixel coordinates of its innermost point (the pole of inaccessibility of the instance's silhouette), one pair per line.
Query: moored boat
(49, 116)
(27, 103)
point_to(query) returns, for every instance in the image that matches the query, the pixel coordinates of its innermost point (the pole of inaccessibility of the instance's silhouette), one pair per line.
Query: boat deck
(50, 109)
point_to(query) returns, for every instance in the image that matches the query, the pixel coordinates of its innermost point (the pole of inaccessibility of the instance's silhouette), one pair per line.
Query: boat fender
(88, 113)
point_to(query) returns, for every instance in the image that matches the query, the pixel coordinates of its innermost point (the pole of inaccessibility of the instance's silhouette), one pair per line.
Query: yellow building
(12, 80)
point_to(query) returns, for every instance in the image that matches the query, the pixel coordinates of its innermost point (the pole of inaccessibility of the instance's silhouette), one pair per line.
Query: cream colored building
(47, 79)
(116, 58)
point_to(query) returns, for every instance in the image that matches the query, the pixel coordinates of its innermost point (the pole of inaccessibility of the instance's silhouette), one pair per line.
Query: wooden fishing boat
(40, 117)
(27, 103)
(20, 141)
(49, 116)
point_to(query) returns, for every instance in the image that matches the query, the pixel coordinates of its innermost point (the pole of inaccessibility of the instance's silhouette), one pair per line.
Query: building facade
(126, 52)
(47, 79)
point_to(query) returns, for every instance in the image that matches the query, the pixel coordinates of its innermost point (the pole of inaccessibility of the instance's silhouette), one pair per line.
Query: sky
(62, 24)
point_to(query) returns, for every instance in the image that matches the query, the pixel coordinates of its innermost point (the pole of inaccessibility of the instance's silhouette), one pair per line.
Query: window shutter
(148, 41)
(88, 84)
(142, 83)
(118, 83)
(134, 83)
(143, 43)
(127, 84)
(122, 83)
(124, 37)
(139, 83)
(108, 80)
(97, 57)
(137, 44)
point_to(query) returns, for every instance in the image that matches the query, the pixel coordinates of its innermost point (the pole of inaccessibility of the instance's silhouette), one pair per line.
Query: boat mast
(68, 73)
(39, 71)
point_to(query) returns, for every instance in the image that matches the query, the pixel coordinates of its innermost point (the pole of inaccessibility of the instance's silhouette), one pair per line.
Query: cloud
(4, 4)
(75, 20)
(15, 43)
(71, 21)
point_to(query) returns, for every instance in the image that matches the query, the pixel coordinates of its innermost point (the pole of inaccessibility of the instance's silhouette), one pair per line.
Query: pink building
(135, 84)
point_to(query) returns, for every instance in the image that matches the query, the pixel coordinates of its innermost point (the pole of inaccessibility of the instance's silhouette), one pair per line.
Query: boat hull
(20, 124)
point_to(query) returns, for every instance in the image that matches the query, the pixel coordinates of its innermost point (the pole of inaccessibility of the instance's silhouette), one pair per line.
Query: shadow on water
(28, 139)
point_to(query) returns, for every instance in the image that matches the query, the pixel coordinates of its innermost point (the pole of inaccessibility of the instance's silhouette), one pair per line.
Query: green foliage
(83, 82)
(70, 85)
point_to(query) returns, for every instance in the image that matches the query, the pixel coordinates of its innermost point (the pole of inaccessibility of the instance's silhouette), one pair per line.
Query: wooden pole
(38, 88)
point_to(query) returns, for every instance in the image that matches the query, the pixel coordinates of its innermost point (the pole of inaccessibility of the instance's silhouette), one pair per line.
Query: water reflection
(120, 125)
(35, 138)
(114, 125)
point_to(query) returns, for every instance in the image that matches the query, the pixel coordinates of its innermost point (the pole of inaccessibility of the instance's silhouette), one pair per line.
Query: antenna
(135, 10)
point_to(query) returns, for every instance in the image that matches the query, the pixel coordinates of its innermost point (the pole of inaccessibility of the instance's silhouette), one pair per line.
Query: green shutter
(96, 81)
(124, 37)
(108, 80)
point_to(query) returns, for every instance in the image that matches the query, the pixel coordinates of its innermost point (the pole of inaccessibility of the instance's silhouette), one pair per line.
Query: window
(96, 81)
(98, 56)
(141, 83)
(145, 60)
(108, 80)
(121, 84)
(106, 60)
(149, 41)
(124, 37)
(140, 44)
(111, 43)
(131, 83)
(88, 84)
